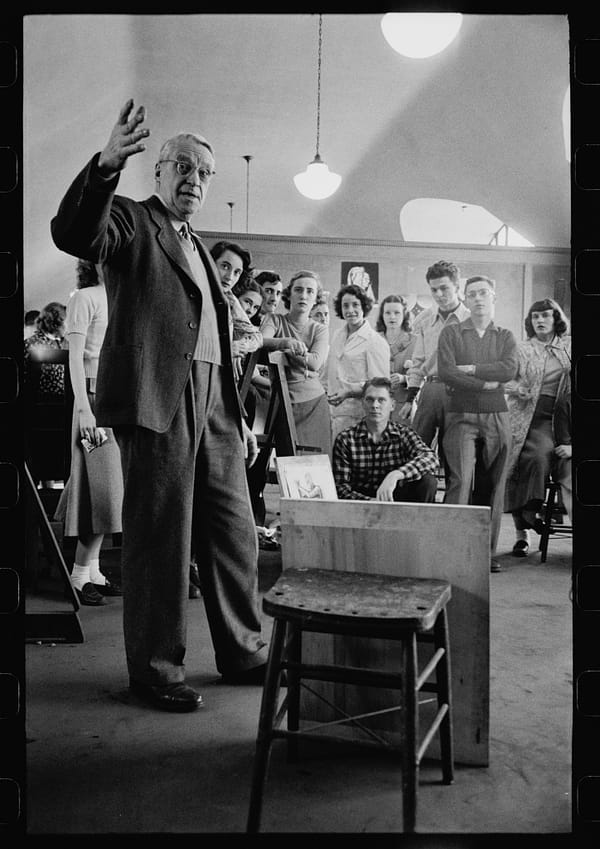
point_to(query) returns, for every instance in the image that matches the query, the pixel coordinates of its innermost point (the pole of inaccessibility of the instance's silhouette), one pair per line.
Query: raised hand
(125, 140)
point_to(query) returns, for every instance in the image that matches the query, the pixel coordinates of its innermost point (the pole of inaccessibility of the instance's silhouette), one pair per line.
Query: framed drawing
(363, 274)
(306, 476)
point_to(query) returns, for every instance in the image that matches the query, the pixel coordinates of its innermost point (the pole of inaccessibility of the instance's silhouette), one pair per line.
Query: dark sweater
(494, 356)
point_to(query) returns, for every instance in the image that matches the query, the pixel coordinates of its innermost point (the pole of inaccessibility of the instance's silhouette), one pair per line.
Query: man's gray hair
(168, 146)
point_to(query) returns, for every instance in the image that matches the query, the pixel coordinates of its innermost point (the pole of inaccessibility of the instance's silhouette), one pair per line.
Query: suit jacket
(154, 305)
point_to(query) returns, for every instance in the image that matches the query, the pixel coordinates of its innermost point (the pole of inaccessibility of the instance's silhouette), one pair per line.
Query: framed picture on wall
(363, 274)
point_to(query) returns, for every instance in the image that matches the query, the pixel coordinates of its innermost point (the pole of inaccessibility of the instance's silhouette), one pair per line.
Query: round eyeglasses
(185, 168)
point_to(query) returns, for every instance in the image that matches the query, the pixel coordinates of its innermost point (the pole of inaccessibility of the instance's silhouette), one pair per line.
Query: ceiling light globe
(419, 35)
(317, 182)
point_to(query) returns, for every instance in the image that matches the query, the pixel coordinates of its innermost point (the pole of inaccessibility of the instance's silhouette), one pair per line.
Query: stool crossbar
(356, 604)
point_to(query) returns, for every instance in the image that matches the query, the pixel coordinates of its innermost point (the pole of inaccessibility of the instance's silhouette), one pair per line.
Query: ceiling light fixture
(419, 35)
(318, 182)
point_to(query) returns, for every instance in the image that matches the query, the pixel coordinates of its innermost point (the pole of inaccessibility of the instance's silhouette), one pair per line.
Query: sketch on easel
(306, 476)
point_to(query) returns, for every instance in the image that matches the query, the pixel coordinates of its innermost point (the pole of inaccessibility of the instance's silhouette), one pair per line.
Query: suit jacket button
(188, 356)
(192, 325)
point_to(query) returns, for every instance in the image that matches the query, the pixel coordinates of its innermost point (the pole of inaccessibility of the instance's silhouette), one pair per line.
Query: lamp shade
(420, 34)
(317, 182)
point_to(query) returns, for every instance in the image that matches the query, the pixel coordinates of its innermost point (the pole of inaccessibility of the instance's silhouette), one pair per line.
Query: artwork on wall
(363, 274)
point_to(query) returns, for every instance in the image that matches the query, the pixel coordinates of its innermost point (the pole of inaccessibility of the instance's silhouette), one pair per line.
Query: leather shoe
(521, 548)
(108, 589)
(177, 698)
(495, 566)
(89, 595)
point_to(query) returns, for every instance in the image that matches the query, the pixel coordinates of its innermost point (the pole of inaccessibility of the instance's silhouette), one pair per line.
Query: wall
(522, 275)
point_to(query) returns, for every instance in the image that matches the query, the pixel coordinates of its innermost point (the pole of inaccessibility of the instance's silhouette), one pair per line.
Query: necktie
(185, 234)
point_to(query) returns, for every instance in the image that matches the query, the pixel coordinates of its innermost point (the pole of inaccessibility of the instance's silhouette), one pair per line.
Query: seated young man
(378, 459)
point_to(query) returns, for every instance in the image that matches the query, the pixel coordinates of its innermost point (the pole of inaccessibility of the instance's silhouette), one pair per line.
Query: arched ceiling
(480, 123)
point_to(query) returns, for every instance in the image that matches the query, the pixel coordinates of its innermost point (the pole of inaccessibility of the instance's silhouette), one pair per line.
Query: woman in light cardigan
(544, 363)
(357, 354)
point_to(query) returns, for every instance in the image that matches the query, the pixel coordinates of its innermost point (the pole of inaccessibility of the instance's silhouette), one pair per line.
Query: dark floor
(99, 762)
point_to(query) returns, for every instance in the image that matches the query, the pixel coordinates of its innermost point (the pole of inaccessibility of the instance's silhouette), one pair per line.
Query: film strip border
(12, 613)
(585, 240)
(585, 107)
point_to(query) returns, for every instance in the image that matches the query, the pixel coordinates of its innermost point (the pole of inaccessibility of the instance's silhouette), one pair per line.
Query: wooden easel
(280, 429)
(55, 625)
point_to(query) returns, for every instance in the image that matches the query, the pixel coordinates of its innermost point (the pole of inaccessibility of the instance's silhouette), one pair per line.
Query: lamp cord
(319, 81)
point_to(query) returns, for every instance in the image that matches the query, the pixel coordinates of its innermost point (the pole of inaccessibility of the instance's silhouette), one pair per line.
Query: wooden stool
(549, 525)
(356, 604)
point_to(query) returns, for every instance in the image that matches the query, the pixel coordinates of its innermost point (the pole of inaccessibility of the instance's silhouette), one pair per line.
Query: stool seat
(356, 605)
(324, 596)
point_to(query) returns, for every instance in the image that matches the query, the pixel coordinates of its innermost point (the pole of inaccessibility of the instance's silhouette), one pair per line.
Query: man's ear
(393, 403)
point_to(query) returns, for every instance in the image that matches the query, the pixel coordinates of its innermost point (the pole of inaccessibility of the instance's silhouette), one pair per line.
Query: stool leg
(444, 694)
(294, 653)
(410, 768)
(264, 738)
(545, 536)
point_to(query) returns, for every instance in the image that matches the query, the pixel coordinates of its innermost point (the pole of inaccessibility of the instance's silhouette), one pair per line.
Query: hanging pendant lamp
(318, 182)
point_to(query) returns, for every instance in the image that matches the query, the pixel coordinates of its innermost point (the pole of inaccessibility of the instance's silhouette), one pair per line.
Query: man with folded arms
(381, 460)
(475, 359)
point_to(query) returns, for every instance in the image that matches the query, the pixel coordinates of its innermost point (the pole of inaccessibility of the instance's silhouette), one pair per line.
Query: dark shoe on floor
(177, 698)
(521, 548)
(539, 526)
(108, 588)
(495, 566)
(193, 591)
(89, 595)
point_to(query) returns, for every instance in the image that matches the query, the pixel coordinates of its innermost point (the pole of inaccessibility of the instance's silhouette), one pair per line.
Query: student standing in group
(91, 502)
(443, 279)
(309, 402)
(394, 323)
(357, 354)
(476, 359)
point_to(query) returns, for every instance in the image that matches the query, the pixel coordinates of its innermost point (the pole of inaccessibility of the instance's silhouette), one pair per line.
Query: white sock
(96, 576)
(524, 534)
(80, 576)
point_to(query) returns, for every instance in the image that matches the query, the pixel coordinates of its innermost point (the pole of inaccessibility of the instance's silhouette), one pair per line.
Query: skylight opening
(455, 222)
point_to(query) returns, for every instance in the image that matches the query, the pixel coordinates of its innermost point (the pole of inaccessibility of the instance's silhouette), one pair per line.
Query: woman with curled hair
(306, 343)
(357, 354)
(49, 333)
(90, 504)
(543, 371)
(394, 323)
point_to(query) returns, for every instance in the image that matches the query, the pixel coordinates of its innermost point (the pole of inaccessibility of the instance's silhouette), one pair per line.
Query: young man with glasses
(475, 359)
(166, 386)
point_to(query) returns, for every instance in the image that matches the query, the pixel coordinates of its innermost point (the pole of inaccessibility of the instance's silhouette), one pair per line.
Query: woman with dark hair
(250, 295)
(544, 365)
(90, 504)
(307, 345)
(233, 262)
(394, 323)
(49, 333)
(357, 354)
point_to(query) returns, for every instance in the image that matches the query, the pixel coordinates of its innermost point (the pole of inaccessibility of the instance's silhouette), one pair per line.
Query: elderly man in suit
(165, 385)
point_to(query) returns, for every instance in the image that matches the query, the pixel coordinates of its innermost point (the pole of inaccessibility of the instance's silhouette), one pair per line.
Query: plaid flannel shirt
(360, 464)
